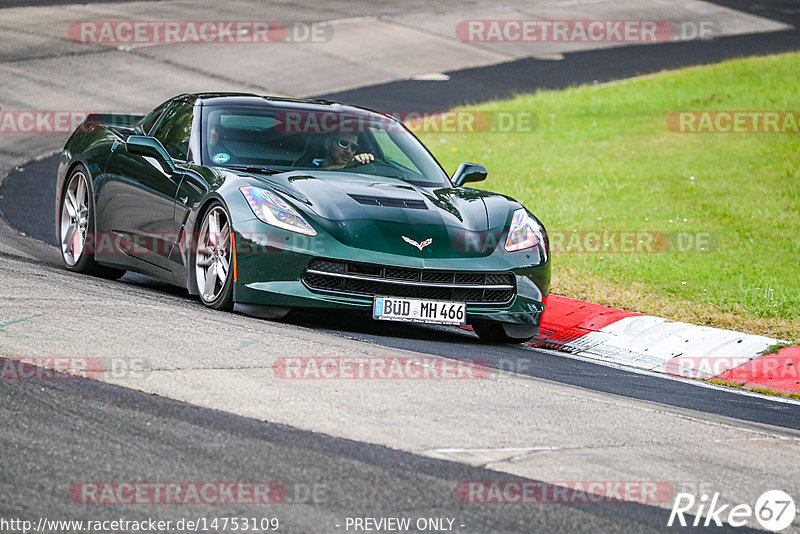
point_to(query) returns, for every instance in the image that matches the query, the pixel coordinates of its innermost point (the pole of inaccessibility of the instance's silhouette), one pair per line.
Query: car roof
(249, 99)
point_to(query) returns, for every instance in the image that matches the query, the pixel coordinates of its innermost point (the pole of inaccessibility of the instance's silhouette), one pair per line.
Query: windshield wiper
(253, 168)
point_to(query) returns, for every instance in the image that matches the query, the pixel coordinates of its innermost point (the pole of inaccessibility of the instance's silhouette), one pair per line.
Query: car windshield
(287, 139)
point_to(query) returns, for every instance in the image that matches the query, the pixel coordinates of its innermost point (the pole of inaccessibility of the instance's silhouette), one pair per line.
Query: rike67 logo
(774, 510)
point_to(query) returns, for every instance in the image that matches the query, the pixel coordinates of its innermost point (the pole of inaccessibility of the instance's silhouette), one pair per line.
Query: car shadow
(347, 323)
(363, 324)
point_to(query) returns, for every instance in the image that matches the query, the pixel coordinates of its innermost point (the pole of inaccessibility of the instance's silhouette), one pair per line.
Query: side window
(150, 120)
(175, 129)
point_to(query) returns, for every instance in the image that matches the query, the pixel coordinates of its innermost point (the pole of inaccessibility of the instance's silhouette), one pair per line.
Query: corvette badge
(418, 245)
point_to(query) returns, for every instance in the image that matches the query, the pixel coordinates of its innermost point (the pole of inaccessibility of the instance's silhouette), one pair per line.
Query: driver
(216, 147)
(340, 150)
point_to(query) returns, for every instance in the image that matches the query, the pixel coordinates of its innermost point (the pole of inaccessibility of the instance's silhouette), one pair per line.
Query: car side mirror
(469, 172)
(150, 147)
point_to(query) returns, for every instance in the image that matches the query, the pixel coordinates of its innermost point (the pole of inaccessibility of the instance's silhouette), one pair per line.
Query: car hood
(376, 213)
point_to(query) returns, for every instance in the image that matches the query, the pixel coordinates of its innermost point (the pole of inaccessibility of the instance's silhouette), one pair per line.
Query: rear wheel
(494, 332)
(76, 222)
(213, 259)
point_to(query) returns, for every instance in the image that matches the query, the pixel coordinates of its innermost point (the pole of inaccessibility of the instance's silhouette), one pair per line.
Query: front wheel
(494, 332)
(213, 259)
(75, 224)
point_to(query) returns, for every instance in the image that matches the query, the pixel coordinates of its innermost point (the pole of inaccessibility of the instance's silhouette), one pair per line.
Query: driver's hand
(364, 158)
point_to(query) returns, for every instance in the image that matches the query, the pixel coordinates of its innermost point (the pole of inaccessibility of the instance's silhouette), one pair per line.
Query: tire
(212, 259)
(494, 332)
(76, 227)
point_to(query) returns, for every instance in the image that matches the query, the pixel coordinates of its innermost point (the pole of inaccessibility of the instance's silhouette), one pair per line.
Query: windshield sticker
(221, 157)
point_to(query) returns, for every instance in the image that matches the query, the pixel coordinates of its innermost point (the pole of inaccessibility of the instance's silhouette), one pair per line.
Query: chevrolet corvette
(266, 204)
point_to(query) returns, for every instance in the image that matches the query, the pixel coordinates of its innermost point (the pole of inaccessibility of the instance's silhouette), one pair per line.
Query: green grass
(603, 158)
(745, 387)
(773, 349)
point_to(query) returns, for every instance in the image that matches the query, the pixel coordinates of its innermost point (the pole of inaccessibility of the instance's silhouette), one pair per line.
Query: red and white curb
(656, 344)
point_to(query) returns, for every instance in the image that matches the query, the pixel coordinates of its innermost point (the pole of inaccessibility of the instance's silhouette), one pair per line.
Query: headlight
(524, 233)
(274, 211)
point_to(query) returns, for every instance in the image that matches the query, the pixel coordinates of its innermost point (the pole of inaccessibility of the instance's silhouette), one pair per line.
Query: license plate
(419, 311)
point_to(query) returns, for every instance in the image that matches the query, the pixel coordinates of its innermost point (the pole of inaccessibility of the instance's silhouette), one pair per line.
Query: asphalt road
(106, 432)
(560, 368)
(58, 433)
(475, 85)
(471, 86)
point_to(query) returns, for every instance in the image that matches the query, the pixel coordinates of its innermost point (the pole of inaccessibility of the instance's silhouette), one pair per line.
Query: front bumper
(269, 267)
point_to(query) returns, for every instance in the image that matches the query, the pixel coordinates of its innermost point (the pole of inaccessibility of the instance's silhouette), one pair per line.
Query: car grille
(368, 279)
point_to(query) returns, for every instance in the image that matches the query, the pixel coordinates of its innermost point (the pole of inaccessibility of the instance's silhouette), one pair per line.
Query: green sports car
(266, 204)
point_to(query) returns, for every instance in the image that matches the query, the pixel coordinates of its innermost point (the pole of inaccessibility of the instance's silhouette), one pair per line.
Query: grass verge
(603, 159)
(762, 390)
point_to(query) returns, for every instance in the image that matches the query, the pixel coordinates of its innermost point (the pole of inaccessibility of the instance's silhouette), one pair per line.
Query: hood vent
(390, 202)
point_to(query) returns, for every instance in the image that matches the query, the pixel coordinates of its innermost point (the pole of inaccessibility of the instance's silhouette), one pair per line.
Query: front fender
(89, 145)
